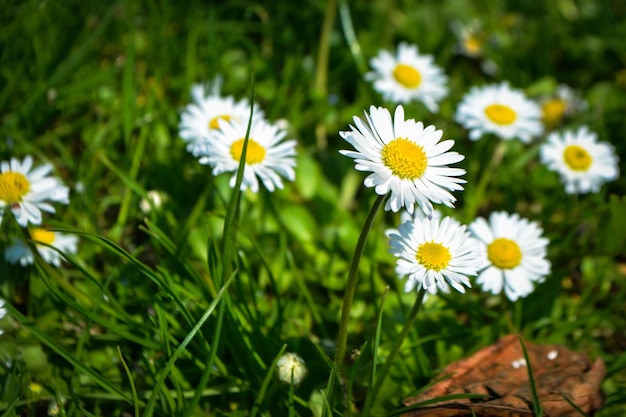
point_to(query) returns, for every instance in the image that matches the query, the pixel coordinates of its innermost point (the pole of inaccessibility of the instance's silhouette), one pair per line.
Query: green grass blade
(379, 320)
(575, 407)
(133, 390)
(92, 315)
(537, 407)
(168, 367)
(232, 212)
(351, 39)
(266, 382)
(60, 350)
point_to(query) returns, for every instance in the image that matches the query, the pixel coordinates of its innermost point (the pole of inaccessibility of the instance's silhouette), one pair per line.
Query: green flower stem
(397, 345)
(478, 193)
(321, 73)
(342, 336)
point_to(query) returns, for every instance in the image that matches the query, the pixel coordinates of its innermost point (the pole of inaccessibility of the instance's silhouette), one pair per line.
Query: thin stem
(348, 31)
(342, 336)
(397, 345)
(321, 74)
(478, 193)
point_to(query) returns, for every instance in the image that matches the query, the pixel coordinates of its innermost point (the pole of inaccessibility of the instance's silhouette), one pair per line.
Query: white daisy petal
(500, 110)
(434, 254)
(202, 118)
(19, 251)
(266, 156)
(408, 76)
(514, 254)
(564, 102)
(28, 192)
(405, 158)
(583, 163)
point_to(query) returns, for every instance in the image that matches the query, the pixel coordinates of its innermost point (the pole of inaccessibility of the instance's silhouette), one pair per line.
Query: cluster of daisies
(25, 193)
(215, 128)
(411, 164)
(582, 162)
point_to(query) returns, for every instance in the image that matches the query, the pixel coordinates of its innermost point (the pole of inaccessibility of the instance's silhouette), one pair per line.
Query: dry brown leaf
(501, 372)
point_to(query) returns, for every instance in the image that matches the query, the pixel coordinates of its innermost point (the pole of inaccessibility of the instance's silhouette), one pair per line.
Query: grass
(141, 322)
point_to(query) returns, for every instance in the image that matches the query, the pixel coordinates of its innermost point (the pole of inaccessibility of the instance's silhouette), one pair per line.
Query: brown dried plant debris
(500, 372)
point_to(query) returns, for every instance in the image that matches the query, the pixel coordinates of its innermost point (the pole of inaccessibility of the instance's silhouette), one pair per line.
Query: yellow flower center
(215, 122)
(500, 114)
(255, 152)
(13, 186)
(577, 158)
(504, 253)
(407, 76)
(433, 256)
(42, 235)
(472, 45)
(552, 111)
(405, 159)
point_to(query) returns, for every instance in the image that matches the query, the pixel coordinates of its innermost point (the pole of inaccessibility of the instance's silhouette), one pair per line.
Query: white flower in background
(154, 200)
(514, 256)
(268, 157)
(564, 102)
(27, 192)
(208, 110)
(471, 40)
(291, 368)
(470, 37)
(3, 312)
(19, 252)
(583, 163)
(408, 76)
(500, 110)
(404, 158)
(434, 254)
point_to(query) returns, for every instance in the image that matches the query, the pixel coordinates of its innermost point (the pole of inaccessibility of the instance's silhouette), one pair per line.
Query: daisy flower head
(470, 37)
(291, 368)
(514, 255)
(27, 192)
(405, 159)
(583, 163)
(501, 110)
(434, 254)
(19, 251)
(563, 102)
(208, 110)
(408, 76)
(268, 157)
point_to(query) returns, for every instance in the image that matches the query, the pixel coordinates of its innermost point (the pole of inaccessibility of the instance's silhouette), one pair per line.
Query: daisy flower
(408, 76)
(470, 38)
(564, 102)
(291, 368)
(434, 254)
(27, 192)
(19, 252)
(500, 110)
(514, 255)
(471, 41)
(404, 158)
(583, 163)
(203, 117)
(266, 156)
